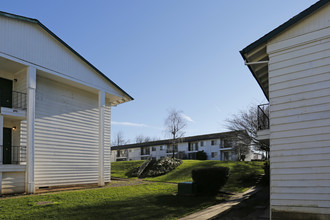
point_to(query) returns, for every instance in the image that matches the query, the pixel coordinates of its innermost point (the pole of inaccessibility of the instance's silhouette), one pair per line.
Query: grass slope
(242, 174)
(122, 169)
(146, 201)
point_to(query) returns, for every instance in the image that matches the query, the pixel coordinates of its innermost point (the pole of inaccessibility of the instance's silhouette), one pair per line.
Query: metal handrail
(263, 116)
(18, 101)
(12, 154)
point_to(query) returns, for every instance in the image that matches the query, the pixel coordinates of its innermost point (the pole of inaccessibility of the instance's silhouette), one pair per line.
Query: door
(6, 145)
(6, 88)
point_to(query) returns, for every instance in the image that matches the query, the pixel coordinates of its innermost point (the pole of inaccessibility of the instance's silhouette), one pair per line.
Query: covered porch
(13, 116)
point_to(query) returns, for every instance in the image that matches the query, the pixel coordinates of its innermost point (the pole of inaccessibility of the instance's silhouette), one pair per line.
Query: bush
(266, 168)
(210, 180)
(201, 155)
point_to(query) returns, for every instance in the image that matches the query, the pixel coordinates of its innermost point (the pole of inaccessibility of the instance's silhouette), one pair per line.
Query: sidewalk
(214, 211)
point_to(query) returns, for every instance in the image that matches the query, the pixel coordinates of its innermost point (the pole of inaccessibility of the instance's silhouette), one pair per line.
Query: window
(227, 143)
(162, 147)
(153, 148)
(145, 150)
(190, 147)
(170, 148)
(202, 143)
(193, 146)
(213, 142)
(214, 154)
(196, 146)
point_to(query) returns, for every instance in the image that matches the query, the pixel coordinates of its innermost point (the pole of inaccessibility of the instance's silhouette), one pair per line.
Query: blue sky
(181, 54)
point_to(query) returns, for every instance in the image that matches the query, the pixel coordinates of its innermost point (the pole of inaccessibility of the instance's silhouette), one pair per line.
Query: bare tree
(241, 150)
(142, 139)
(119, 139)
(247, 120)
(175, 125)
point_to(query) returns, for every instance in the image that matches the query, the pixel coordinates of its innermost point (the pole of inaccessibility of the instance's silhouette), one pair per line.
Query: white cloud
(186, 117)
(131, 124)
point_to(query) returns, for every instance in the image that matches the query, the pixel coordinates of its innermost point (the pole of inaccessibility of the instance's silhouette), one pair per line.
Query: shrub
(210, 180)
(163, 166)
(201, 155)
(266, 168)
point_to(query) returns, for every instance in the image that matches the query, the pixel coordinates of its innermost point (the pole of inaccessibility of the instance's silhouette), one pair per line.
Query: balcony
(13, 155)
(13, 104)
(263, 117)
(14, 99)
(263, 122)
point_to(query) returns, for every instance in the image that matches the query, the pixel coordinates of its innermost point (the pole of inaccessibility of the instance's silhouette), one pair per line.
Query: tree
(119, 139)
(175, 125)
(142, 139)
(241, 150)
(248, 120)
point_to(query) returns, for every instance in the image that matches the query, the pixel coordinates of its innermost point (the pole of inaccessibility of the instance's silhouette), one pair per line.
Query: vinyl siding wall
(13, 182)
(66, 135)
(299, 92)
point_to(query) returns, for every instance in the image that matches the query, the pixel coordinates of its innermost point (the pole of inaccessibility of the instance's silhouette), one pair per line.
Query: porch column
(101, 137)
(30, 117)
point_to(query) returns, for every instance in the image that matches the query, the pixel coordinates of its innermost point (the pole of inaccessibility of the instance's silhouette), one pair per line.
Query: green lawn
(146, 201)
(242, 174)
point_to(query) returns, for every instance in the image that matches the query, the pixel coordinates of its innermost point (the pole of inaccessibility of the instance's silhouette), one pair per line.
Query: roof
(185, 139)
(35, 21)
(258, 44)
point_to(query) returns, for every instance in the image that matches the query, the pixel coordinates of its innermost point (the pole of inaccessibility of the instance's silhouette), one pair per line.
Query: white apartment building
(292, 66)
(54, 111)
(217, 146)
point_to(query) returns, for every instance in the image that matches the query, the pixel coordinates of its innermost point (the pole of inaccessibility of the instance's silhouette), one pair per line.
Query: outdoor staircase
(145, 167)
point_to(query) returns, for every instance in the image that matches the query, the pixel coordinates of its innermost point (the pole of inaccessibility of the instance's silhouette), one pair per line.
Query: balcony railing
(263, 117)
(12, 155)
(13, 100)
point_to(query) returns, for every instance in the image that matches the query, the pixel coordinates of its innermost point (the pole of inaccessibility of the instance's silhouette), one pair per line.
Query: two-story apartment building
(292, 66)
(217, 146)
(54, 111)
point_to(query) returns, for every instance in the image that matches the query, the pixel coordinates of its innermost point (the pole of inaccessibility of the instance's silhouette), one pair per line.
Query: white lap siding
(66, 135)
(13, 182)
(299, 92)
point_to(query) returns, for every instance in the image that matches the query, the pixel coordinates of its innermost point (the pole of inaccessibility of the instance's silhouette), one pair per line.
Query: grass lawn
(148, 200)
(242, 174)
(144, 201)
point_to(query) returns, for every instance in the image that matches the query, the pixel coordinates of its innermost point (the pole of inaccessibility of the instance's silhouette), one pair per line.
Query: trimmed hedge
(210, 180)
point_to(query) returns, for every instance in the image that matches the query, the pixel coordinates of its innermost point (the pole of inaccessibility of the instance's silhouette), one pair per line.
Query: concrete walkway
(216, 210)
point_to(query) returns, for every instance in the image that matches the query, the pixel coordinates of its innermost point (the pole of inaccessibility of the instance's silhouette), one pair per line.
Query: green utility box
(187, 188)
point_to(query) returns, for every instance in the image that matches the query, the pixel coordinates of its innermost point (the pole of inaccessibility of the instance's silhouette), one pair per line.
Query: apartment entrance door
(6, 146)
(6, 88)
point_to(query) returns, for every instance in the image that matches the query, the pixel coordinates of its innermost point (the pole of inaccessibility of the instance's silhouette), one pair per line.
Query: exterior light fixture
(14, 128)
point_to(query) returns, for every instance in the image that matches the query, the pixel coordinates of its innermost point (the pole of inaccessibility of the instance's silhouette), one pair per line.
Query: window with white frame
(162, 147)
(214, 154)
(202, 143)
(213, 142)
(153, 148)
